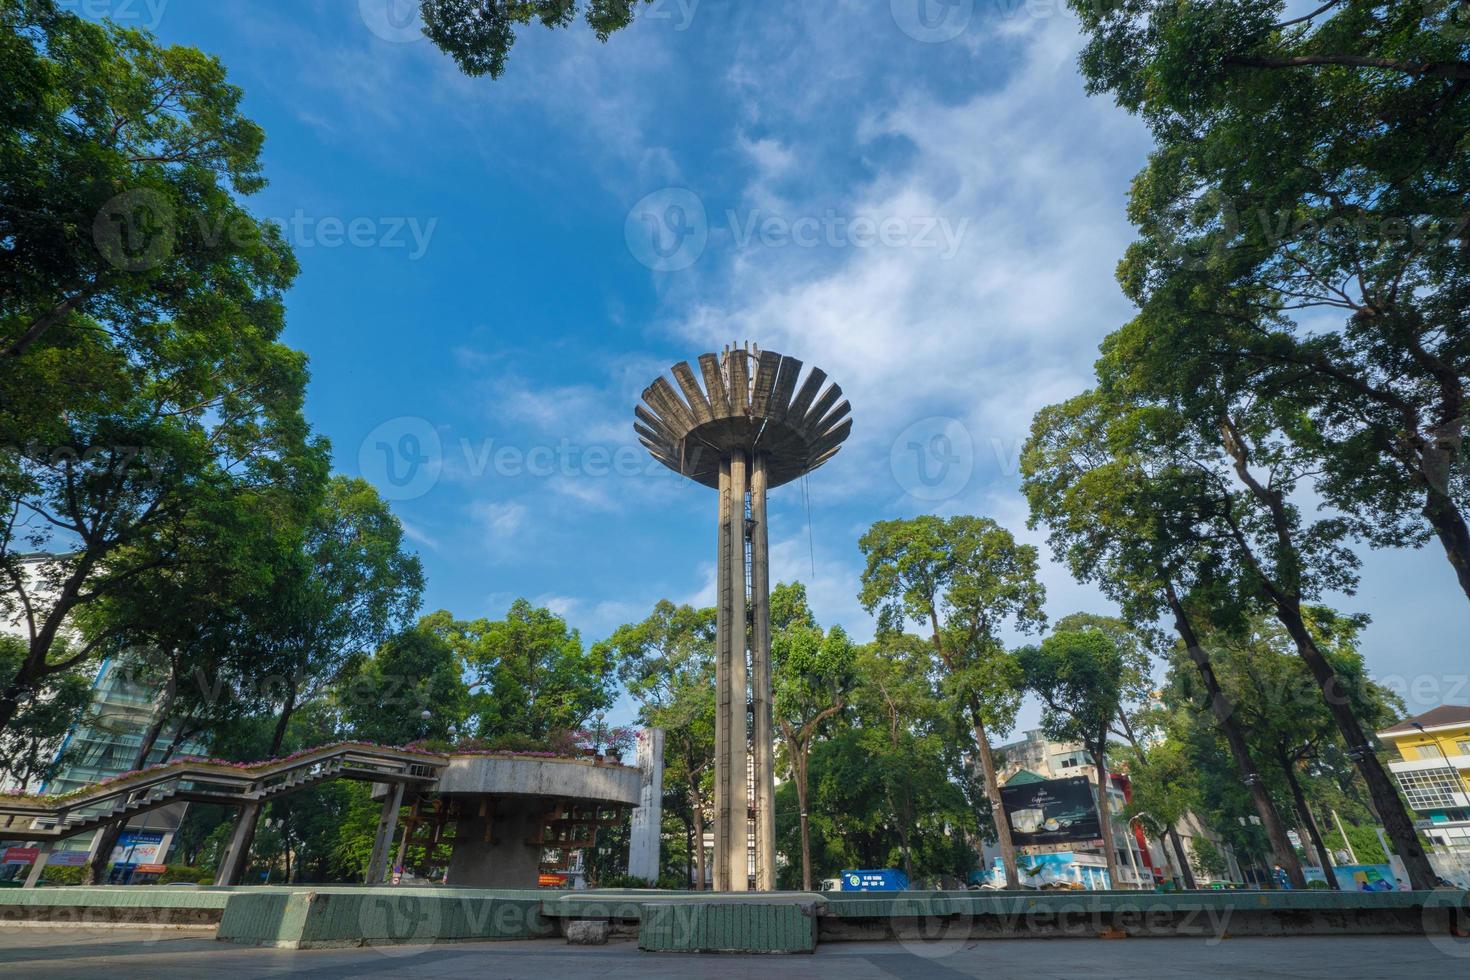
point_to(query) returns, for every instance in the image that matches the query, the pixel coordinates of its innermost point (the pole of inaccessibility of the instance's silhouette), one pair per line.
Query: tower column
(762, 729)
(738, 744)
(723, 630)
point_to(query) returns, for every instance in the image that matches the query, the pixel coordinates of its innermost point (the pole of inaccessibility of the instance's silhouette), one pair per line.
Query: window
(1429, 789)
(1463, 746)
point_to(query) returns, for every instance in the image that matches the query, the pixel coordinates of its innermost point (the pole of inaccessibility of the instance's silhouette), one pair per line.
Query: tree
(478, 34)
(1302, 230)
(540, 679)
(905, 732)
(141, 392)
(122, 161)
(1078, 675)
(1164, 789)
(666, 663)
(1231, 443)
(413, 671)
(1282, 710)
(963, 579)
(1135, 680)
(1124, 514)
(811, 673)
(343, 588)
(27, 747)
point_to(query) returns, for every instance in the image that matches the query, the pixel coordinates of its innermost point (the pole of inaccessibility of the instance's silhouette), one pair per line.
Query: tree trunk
(1304, 813)
(1105, 819)
(9, 706)
(1224, 713)
(1381, 790)
(1284, 592)
(1449, 525)
(992, 792)
(798, 765)
(1184, 869)
(698, 809)
(286, 709)
(905, 840)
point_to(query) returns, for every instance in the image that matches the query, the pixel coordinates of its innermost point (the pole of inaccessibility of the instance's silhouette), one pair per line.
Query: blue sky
(915, 195)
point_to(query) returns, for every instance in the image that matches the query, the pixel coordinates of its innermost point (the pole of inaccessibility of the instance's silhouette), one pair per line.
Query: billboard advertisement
(1052, 811)
(138, 847)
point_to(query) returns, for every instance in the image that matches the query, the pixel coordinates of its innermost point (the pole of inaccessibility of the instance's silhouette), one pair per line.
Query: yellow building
(1433, 770)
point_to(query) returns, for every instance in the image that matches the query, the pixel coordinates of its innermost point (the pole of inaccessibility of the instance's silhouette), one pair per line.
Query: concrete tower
(748, 429)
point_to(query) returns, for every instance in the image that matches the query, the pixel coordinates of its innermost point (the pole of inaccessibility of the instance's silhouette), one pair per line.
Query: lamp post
(599, 733)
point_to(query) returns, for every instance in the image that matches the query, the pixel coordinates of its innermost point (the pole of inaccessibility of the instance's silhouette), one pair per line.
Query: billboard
(1052, 811)
(138, 847)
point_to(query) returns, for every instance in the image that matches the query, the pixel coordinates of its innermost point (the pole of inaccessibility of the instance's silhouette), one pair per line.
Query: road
(62, 953)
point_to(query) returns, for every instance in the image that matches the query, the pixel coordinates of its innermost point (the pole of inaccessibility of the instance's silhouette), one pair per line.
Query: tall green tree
(1282, 709)
(123, 159)
(342, 589)
(811, 675)
(1164, 792)
(1302, 230)
(1078, 676)
(1121, 512)
(142, 387)
(667, 664)
(536, 677)
(412, 672)
(963, 580)
(1235, 445)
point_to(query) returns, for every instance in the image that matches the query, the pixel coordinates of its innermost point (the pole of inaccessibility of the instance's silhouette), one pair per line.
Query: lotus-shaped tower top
(751, 401)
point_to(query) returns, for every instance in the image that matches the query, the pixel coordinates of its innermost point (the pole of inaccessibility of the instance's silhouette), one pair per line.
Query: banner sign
(1053, 811)
(138, 847)
(68, 859)
(21, 855)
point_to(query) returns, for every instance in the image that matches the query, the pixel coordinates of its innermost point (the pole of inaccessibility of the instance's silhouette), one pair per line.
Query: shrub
(624, 881)
(62, 875)
(184, 872)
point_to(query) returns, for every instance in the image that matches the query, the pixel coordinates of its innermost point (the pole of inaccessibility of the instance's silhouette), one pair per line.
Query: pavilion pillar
(762, 727)
(43, 853)
(383, 842)
(232, 862)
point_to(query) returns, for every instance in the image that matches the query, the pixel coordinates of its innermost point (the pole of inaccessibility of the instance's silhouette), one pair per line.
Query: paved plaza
(57, 953)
